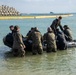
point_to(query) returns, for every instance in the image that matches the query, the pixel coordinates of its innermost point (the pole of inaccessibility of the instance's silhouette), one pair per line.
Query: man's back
(61, 42)
(68, 34)
(56, 23)
(17, 39)
(36, 37)
(50, 39)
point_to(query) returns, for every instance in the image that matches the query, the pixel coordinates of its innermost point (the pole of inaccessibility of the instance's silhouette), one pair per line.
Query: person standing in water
(68, 33)
(60, 40)
(18, 45)
(37, 39)
(49, 37)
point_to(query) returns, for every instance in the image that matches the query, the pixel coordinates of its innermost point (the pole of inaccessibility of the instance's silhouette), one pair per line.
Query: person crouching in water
(18, 45)
(36, 38)
(68, 33)
(60, 40)
(49, 37)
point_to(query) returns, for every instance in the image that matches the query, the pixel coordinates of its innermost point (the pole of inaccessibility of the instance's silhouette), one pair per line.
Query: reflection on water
(59, 63)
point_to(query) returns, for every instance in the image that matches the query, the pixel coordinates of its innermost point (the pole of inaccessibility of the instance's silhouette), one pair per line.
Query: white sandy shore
(32, 17)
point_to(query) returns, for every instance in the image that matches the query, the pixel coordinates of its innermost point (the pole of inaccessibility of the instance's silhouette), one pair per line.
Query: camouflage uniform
(36, 39)
(18, 45)
(68, 34)
(49, 37)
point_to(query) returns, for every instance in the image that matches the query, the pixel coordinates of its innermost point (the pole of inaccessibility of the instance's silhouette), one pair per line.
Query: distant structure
(8, 11)
(51, 13)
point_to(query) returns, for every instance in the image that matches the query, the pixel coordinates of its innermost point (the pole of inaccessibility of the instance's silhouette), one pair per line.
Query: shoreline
(33, 17)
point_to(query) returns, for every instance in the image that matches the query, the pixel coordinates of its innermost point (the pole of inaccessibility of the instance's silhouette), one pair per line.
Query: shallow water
(59, 63)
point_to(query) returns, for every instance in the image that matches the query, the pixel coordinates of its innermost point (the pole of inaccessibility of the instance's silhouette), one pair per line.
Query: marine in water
(61, 41)
(50, 40)
(68, 33)
(36, 38)
(11, 28)
(18, 45)
(9, 37)
(56, 23)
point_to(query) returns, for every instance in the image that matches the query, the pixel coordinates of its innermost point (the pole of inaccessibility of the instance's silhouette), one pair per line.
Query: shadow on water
(9, 54)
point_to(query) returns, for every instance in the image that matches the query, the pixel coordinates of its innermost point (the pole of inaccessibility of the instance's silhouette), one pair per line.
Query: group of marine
(54, 39)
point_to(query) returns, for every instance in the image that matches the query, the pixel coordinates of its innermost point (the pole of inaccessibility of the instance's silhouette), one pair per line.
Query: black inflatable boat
(8, 41)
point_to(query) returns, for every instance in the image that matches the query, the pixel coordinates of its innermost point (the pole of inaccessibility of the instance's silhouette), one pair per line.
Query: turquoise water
(59, 63)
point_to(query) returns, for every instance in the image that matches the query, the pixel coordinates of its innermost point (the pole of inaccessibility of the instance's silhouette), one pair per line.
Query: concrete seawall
(32, 17)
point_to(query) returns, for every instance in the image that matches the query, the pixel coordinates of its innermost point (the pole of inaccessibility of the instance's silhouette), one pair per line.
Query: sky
(41, 6)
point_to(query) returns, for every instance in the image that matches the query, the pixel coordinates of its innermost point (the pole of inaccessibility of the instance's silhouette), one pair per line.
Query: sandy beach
(32, 17)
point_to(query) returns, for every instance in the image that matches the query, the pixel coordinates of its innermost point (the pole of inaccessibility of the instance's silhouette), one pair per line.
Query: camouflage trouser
(37, 49)
(19, 52)
(51, 48)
